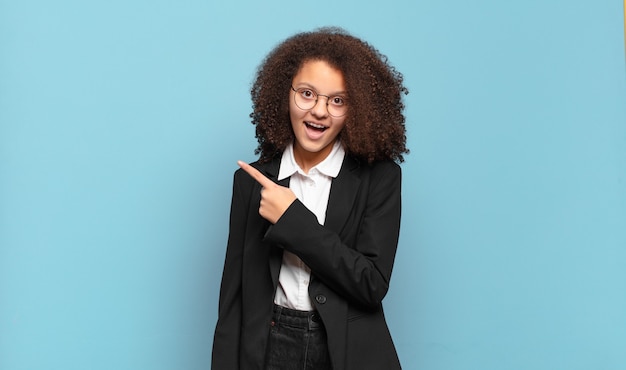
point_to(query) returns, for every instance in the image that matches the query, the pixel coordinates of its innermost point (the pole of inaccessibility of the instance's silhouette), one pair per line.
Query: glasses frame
(317, 95)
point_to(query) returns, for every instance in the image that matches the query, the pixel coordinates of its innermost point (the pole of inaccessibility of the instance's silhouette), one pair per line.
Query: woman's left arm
(357, 263)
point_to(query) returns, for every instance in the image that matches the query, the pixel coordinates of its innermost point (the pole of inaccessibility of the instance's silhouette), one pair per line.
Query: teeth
(315, 125)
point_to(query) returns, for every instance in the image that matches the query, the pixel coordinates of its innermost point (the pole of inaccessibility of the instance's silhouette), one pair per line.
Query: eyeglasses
(306, 98)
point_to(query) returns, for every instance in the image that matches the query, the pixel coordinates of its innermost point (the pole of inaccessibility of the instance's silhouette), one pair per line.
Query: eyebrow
(308, 85)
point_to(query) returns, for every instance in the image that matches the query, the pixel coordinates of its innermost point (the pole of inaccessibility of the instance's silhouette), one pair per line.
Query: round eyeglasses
(306, 98)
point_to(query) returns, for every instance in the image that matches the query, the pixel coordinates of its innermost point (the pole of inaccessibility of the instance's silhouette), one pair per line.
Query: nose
(320, 109)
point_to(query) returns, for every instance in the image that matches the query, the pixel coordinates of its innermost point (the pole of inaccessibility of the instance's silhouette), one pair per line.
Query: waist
(310, 320)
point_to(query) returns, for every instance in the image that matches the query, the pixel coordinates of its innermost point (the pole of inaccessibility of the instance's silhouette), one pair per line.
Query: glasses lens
(305, 98)
(337, 106)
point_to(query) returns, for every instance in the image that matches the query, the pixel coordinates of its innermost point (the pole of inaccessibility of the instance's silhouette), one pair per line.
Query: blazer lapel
(343, 192)
(270, 170)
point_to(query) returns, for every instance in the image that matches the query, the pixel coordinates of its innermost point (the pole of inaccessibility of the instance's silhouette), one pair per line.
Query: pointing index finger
(258, 176)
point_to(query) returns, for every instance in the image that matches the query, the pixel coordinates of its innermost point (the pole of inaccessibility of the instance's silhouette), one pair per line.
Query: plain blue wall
(120, 125)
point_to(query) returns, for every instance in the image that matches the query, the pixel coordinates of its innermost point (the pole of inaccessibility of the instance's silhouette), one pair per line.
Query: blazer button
(321, 299)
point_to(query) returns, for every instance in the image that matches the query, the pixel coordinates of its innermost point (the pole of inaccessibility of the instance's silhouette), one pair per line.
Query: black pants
(297, 341)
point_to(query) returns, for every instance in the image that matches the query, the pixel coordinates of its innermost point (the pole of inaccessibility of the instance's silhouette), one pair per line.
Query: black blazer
(351, 258)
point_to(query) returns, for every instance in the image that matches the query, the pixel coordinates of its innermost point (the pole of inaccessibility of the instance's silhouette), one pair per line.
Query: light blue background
(120, 125)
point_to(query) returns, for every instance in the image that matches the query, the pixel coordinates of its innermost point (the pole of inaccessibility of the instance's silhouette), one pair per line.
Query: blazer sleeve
(226, 341)
(358, 263)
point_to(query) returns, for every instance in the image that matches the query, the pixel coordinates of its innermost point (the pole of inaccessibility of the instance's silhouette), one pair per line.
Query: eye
(307, 94)
(337, 100)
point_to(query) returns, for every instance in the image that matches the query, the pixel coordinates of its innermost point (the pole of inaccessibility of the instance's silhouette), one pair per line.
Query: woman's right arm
(226, 342)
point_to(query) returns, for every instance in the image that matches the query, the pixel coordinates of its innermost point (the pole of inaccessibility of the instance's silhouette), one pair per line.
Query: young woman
(314, 222)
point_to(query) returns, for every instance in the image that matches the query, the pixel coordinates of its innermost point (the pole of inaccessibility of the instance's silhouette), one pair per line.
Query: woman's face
(315, 129)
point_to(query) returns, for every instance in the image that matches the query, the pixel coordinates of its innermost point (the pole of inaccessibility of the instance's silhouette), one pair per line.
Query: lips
(315, 126)
(314, 131)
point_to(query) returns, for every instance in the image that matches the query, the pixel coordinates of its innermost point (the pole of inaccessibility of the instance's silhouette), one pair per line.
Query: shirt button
(321, 299)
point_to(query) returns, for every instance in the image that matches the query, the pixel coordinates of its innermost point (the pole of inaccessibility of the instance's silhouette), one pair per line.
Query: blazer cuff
(296, 221)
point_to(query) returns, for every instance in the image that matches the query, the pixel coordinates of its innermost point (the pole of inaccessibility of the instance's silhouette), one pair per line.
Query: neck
(307, 160)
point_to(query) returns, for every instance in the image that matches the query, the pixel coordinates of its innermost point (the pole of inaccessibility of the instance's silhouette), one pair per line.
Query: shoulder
(385, 167)
(385, 174)
(375, 169)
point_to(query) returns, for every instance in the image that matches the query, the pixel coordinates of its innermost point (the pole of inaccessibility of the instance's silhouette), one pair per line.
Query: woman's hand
(275, 199)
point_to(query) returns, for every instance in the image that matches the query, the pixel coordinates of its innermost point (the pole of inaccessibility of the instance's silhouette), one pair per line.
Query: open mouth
(316, 127)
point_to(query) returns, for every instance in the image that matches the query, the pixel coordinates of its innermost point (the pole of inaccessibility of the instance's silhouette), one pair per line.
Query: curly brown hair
(374, 126)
